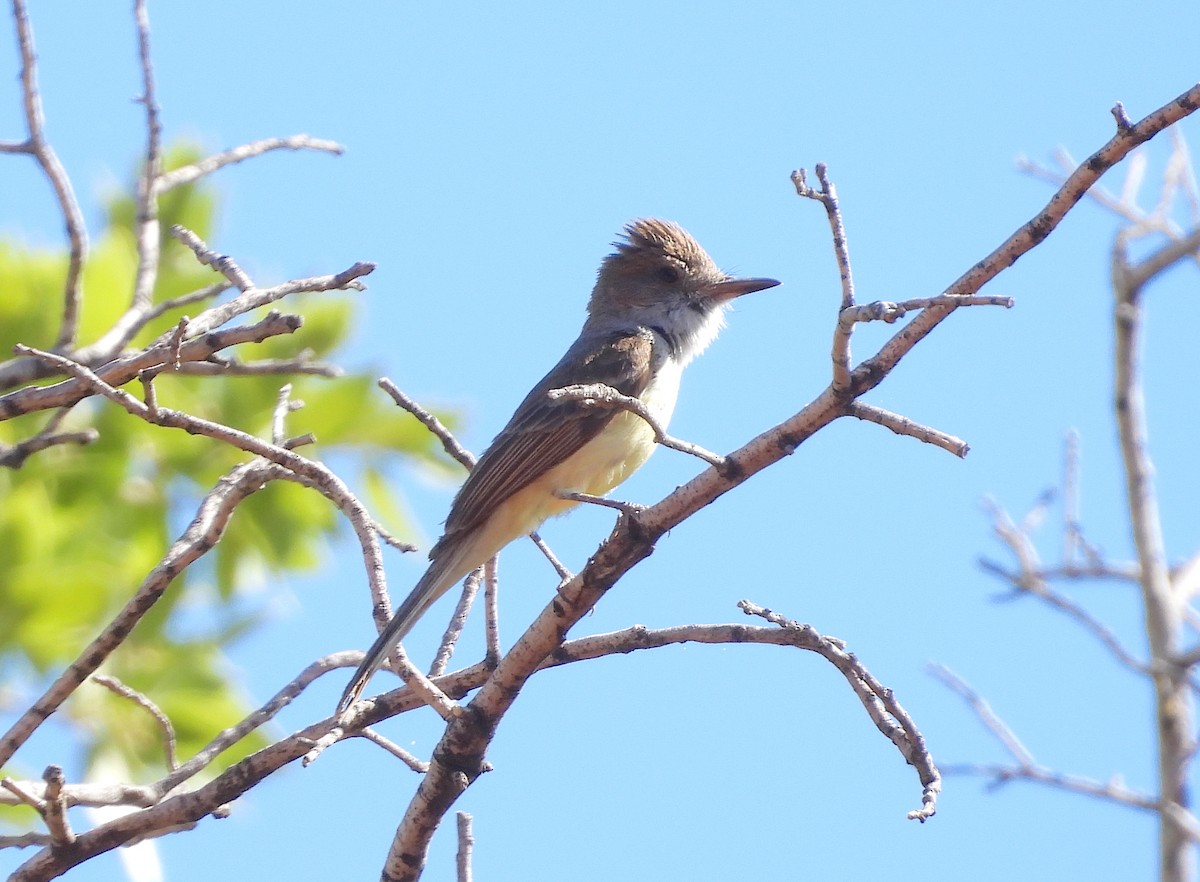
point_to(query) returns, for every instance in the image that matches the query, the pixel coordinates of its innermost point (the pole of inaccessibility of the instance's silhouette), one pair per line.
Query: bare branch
(491, 606)
(188, 173)
(827, 196)
(14, 456)
(283, 406)
(603, 395)
(880, 702)
(55, 814)
(222, 263)
(254, 298)
(458, 620)
(563, 572)
(1124, 123)
(219, 366)
(120, 371)
(1032, 578)
(1026, 769)
(849, 314)
(200, 294)
(431, 422)
(902, 425)
(888, 312)
(1164, 258)
(984, 712)
(24, 840)
(1072, 531)
(1113, 791)
(23, 795)
(629, 508)
(164, 723)
(388, 538)
(146, 232)
(1163, 614)
(175, 342)
(417, 765)
(466, 847)
(124, 329)
(39, 148)
(94, 795)
(260, 717)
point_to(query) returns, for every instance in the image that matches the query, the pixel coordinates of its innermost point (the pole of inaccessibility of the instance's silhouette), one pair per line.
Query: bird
(658, 302)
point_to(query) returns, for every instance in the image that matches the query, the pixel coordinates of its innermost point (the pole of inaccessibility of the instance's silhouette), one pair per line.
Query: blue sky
(493, 153)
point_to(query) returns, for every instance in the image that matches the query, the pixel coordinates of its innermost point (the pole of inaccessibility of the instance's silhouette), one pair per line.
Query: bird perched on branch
(658, 302)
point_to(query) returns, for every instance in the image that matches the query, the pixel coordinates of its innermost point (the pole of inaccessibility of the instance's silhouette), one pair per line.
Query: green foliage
(81, 527)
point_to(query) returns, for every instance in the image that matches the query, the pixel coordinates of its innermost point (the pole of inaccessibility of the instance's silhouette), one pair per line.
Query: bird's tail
(442, 574)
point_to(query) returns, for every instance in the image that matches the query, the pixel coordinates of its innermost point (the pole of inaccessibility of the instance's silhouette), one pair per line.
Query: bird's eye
(668, 274)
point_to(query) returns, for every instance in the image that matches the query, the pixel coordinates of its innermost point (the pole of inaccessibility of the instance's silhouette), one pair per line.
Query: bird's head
(660, 277)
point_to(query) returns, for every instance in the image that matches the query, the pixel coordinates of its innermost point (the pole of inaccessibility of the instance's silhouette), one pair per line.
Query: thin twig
(194, 171)
(176, 341)
(458, 620)
(603, 395)
(1032, 578)
(544, 548)
(1164, 258)
(55, 814)
(991, 721)
(414, 763)
(202, 346)
(885, 711)
(902, 425)
(827, 196)
(252, 299)
(431, 422)
(200, 294)
(164, 722)
(629, 508)
(388, 538)
(222, 263)
(466, 848)
(14, 456)
(1072, 533)
(1026, 769)
(890, 312)
(255, 720)
(25, 840)
(34, 802)
(146, 231)
(39, 148)
(283, 406)
(218, 366)
(491, 606)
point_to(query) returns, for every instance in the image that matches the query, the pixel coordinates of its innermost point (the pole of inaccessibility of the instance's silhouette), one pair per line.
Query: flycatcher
(659, 301)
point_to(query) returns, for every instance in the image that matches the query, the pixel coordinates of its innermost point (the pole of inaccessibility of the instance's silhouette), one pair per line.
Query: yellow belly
(620, 449)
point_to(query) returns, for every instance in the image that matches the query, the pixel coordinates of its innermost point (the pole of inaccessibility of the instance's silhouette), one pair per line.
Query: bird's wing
(542, 433)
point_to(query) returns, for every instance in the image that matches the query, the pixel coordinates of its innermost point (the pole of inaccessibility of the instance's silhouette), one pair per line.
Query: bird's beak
(731, 288)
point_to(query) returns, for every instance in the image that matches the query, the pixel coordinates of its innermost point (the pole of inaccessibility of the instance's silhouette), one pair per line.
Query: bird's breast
(624, 444)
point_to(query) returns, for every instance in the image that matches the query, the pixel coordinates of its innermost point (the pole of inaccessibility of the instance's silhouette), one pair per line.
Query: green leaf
(82, 526)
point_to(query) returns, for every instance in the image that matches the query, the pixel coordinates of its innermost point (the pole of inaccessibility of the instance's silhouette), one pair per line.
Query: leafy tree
(81, 525)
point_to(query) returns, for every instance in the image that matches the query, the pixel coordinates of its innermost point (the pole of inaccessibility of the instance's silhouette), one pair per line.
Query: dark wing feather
(543, 433)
